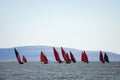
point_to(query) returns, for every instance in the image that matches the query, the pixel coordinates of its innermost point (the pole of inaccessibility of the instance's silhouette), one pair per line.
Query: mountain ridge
(32, 53)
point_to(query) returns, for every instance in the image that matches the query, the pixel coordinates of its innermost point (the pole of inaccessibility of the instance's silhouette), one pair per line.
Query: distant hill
(32, 53)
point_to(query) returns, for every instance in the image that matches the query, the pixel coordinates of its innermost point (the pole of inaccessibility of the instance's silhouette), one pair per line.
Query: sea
(59, 71)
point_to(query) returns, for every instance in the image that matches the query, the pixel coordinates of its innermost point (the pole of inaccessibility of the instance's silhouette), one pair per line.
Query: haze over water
(86, 25)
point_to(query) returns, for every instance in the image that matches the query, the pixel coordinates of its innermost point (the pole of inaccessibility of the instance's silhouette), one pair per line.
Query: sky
(81, 24)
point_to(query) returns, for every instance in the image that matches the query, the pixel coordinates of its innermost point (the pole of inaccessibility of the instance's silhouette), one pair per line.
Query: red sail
(57, 56)
(64, 56)
(101, 57)
(18, 56)
(72, 57)
(43, 58)
(84, 57)
(106, 58)
(24, 59)
(68, 57)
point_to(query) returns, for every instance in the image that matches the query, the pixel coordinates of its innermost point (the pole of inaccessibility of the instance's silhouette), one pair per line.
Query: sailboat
(106, 58)
(43, 58)
(68, 57)
(64, 56)
(72, 57)
(57, 57)
(101, 57)
(24, 59)
(18, 56)
(84, 57)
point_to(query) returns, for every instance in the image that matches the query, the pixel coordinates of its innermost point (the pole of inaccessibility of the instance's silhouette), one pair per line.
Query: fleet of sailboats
(67, 58)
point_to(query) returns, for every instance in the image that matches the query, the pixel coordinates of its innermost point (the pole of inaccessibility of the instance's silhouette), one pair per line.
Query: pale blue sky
(81, 24)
